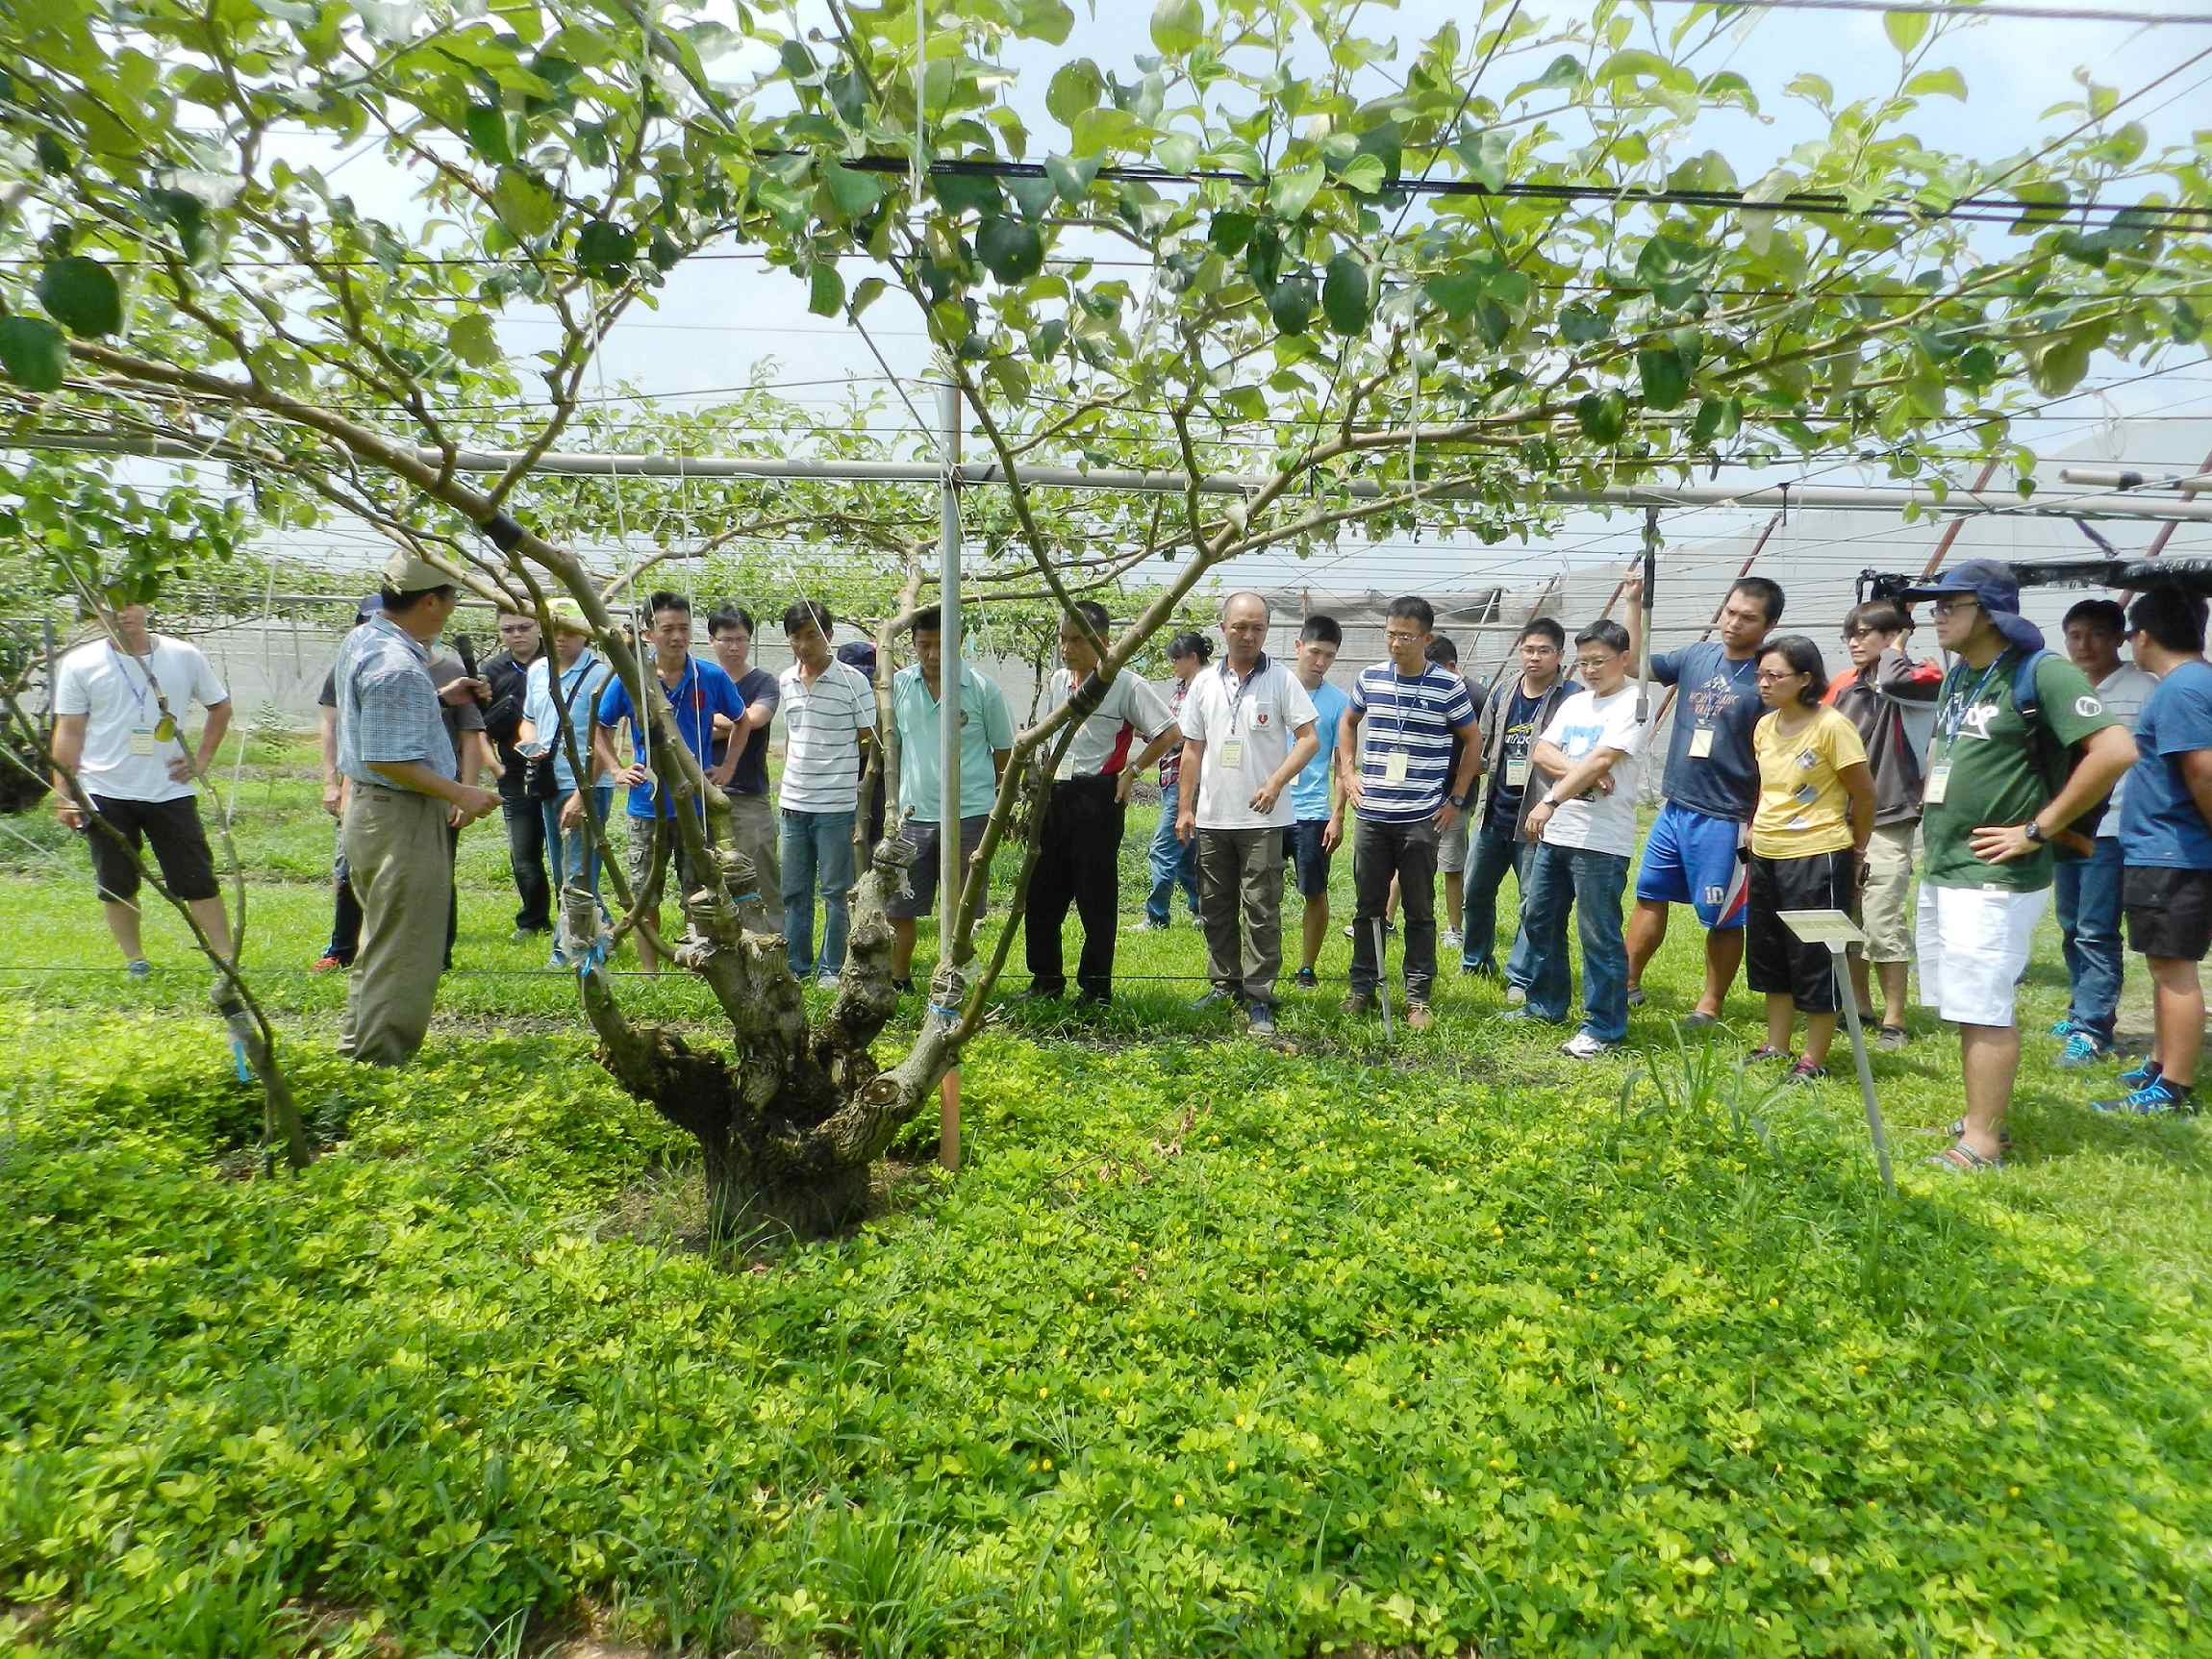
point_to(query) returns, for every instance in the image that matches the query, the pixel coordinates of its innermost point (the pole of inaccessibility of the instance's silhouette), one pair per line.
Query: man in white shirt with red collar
(1081, 858)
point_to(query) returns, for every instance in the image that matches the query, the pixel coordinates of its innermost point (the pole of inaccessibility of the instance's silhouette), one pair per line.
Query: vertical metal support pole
(1846, 995)
(949, 871)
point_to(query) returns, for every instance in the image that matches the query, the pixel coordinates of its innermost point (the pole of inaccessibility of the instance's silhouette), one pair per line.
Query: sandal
(1764, 1051)
(1960, 1159)
(2003, 1135)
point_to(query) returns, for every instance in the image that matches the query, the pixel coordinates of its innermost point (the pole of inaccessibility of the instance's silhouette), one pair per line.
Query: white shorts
(1973, 944)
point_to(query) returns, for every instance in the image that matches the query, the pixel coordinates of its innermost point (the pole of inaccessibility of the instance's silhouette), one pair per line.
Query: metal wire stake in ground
(1382, 978)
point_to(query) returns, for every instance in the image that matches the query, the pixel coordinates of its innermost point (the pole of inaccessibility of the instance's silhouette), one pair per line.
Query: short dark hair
(730, 616)
(407, 599)
(1191, 644)
(1768, 593)
(1319, 629)
(665, 599)
(1548, 626)
(929, 620)
(1803, 657)
(2174, 619)
(1882, 616)
(1441, 649)
(807, 614)
(1094, 613)
(2104, 614)
(1607, 633)
(1412, 608)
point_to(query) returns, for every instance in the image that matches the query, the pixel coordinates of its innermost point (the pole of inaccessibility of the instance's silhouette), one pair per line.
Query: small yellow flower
(1047, 1463)
(1178, 1500)
(1233, 1470)
(1042, 1391)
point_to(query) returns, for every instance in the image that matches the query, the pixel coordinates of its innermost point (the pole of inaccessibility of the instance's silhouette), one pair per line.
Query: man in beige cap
(404, 797)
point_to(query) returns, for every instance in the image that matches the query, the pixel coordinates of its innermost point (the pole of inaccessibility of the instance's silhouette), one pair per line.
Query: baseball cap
(568, 618)
(371, 605)
(1991, 583)
(407, 572)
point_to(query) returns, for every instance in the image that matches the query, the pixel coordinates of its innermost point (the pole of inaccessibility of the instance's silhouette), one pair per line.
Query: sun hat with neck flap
(1991, 584)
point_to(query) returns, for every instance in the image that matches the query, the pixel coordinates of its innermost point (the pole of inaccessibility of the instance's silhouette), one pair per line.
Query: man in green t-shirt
(1990, 820)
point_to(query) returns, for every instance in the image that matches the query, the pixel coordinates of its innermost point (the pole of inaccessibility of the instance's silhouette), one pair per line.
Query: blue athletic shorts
(1309, 861)
(1697, 860)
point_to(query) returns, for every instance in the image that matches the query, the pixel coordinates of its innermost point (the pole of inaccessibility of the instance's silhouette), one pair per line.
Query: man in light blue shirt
(1316, 796)
(556, 731)
(985, 742)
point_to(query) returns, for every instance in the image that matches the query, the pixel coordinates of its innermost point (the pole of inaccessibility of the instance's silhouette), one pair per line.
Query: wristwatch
(1457, 803)
(2034, 833)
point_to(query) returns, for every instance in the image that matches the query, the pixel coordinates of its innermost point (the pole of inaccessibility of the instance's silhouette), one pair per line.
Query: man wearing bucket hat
(556, 731)
(2010, 717)
(404, 797)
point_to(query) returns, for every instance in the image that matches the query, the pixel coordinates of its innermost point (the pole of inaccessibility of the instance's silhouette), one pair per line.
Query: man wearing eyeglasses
(508, 675)
(1995, 804)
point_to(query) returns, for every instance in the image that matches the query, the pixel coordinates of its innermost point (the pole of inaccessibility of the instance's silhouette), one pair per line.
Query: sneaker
(138, 968)
(2137, 1076)
(1804, 1072)
(1693, 1020)
(1516, 995)
(1449, 939)
(827, 981)
(1214, 998)
(1259, 1020)
(2155, 1098)
(1636, 998)
(558, 961)
(2082, 1050)
(1148, 925)
(1584, 1046)
(1892, 1038)
(1418, 1018)
(2063, 1027)
(1358, 1005)
(1307, 980)
(324, 963)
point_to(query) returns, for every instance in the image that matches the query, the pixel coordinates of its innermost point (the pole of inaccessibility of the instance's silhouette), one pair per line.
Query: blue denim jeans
(1492, 850)
(1173, 865)
(816, 851)
(2089, 926)
(1590, 884)
(567, 850)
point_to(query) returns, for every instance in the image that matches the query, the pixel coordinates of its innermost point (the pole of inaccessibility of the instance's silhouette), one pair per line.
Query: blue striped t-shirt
(1413, 716)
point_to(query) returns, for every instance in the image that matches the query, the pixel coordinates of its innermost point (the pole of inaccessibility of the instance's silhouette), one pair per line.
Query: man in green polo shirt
(1991, 815)
(986, 742)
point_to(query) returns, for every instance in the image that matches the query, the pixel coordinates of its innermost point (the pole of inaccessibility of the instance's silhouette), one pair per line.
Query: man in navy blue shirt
(697, 692)
(1695, 854)
(2166, 845)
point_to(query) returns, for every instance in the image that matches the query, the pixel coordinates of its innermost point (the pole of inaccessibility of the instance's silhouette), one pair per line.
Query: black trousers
(1081, 863)
(526, 854)
(1408, 852)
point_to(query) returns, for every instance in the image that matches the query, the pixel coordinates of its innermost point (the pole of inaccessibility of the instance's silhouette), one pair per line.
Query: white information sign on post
(1836, 930)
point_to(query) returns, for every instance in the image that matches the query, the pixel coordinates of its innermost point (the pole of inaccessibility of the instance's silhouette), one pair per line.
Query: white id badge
(1516, 774)
(1938, 780)
(1233, 754)
(145, 744)
(1700, 742)
(1394, 766)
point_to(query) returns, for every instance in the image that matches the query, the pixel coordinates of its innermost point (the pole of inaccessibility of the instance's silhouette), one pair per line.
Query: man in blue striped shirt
(1398, 780)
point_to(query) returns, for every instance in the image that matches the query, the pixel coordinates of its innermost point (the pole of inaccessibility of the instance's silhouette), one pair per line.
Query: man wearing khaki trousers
(406, 797)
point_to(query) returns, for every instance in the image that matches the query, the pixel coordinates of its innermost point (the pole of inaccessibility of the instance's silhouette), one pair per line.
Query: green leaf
(33, 353)
(1178, 26)
(1484, 154)
(488, 134)
(1454, 293)
(1291, 192)
(523, 204)
(1346, 295)
(1046, 20)
(1364, 174)
(1905, 29)
(1032, 195)
(966, 192)
(853, 192)
(1247, 402)
(1075, 88)
(1291, 304)
(1178, 152)
(1229, 231)
(825, 288)
(1602, 415)
(1631, 65)
(1011, 248)
(475, 340)
(870, 289)
(1932, 82)
(605, 250)
(81, 295)
(1580, 324)
(1072, 177)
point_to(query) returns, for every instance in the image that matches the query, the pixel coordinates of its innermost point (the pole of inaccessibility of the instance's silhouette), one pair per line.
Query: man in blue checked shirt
(697, 691)
(1411, 710)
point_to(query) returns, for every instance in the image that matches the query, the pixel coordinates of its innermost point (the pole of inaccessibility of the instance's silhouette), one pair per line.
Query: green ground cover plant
(1438, 1348)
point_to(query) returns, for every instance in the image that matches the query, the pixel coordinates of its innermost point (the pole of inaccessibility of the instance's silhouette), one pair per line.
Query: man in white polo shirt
(829, 717)
(1397, 782)
(1080, 862)
(1248, 730)
(112, 730)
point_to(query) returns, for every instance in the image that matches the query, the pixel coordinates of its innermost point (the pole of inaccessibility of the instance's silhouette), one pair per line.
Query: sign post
(1837, 931)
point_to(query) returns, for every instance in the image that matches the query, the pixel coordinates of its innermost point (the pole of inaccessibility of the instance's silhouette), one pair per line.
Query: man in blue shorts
(1318, 796)
(1695, 854)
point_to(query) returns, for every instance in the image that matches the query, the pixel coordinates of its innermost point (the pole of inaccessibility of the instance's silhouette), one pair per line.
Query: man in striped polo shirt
(1397, 780)
(829, 718)
(1080, 861)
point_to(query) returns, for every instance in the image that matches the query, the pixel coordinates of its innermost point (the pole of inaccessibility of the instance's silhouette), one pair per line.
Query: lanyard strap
(1953, 714)
(1244, 686)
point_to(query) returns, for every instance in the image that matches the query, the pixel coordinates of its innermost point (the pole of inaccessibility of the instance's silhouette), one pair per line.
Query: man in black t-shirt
(507, 674)
(752, 814)
(1516, 714)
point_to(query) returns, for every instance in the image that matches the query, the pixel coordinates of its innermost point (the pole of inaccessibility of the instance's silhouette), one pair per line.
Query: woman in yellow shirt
(1808, 845)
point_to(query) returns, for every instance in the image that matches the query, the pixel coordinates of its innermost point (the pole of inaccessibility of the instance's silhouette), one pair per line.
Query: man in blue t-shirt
(1316, 794)
(1408, 796)
(1695, 854)
(1511, 724)
(697, 692)
(2166, 845)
